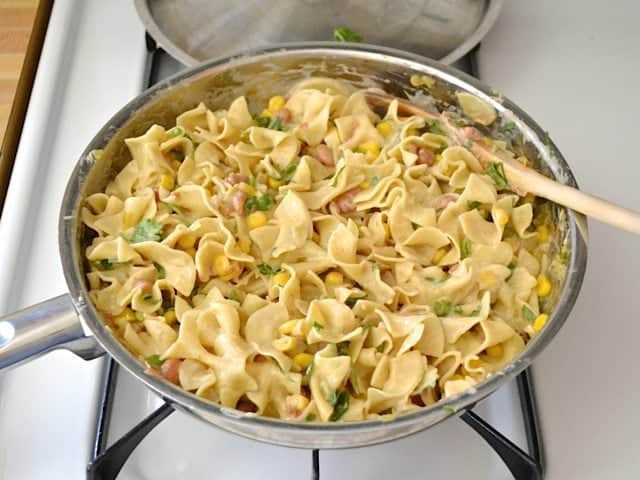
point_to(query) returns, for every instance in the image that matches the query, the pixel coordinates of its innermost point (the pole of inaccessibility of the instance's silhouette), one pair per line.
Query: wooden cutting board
(23, 24)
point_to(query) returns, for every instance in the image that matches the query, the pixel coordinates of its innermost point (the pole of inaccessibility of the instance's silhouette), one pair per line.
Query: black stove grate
(107, 461)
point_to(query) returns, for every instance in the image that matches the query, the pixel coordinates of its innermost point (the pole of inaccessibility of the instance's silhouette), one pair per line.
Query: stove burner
(107, 462)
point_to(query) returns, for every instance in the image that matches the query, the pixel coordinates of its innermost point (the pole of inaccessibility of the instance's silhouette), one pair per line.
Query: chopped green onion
(547, 139)
(528, 314)
(109, 263)
(175, 132)
(317, 326)
(147, 231)
(496, 171)
(563, 256)
(140, 316)
(161, 271)
(507, 128)
(457, 310)
(473, 204)
(335, 179)
(442, 307)
(266, 269)
(382, 347)
(436, 281)
(262, 121)
(475, 312)
(262, 203)
(332, 397)
(155, 361)
(345, 34)
(148, 297)
(340, 406)
(449, 409)
(287, 173)
(234, 295)
(310, 417)
(465, 248)
(276, 124)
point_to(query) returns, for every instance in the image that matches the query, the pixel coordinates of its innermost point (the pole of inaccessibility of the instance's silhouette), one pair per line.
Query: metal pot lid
(193, 31)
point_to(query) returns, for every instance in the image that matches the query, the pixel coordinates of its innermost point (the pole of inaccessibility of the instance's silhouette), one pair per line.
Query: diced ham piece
(411, 148)
(443, 200)
(237, 202)
(236, 178)
(344, 203)
(324, 155)
(426, 157)
(284, 114)
(170, 369)
(472, 133)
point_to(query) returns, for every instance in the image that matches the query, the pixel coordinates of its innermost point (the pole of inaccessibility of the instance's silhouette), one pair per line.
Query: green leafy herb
(475, 312)
(382, 347)
(507, 128)
(343, 348)
(310, 417)
(496, 171)
(234, 295)
(449, 409)
(175, 132)
(317, 326)
(434, 125)
(465, 248)
(442, 307)
(340, 406)
(436, 281)
(286, 174)
(375, 181)
(109, 263)
(139, 317)
(276, 124)
(147, 231)
(528, 314)
(148, 297)
(262, 121)
(332, 398)
(457, 310)
(262, 203)
(266, 269)
(161, 271)
(155, 361)
(345, 34)
(563, 256)
(473, 204)
(335, 179)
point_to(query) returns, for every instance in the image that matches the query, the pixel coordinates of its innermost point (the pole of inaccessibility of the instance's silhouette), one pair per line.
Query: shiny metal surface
(258, 75)
(194, 31)
(34, 331)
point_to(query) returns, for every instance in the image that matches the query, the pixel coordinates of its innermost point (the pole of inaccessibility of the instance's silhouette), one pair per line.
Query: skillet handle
(41, 328)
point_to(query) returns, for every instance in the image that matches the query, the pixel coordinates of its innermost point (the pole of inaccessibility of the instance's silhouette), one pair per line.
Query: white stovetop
(573, 65)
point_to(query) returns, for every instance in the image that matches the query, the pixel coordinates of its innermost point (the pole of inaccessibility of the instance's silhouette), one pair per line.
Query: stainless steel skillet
(70, 321)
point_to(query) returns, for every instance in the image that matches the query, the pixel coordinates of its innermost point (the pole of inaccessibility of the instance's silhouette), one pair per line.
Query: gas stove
(59, 413)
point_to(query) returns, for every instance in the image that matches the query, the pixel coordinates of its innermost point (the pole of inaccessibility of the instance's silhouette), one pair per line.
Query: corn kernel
(221, 265)
(273, 183)
(187, 241)
(495, 351)
(257, 219)
(412, 132)
(125, 317)
(248, 189)
(540, 322)
(296, 403)
(365, 185)
(544, 286)
(287, 327)
(176, 164)
(371, 150)
(276, 103)
(474, 363)
(502, 217)
(190, 251)
(170, 317)
(334, 278)
(167, 181)
(543, 233)
(284, 343)
(265, 113)
(439, 255)
(456, 377)
(384, 128)
(303, 360)
(415, 80)
(244, 245)
(281, 278)
(437, 158)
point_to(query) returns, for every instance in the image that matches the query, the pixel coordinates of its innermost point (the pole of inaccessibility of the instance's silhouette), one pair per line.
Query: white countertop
(574, 66)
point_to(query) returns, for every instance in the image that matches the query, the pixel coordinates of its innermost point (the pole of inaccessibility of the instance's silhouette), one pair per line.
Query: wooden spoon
(526, 180)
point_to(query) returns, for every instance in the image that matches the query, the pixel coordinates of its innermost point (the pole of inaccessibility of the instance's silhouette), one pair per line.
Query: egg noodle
(318, 261)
